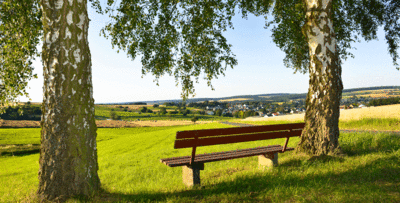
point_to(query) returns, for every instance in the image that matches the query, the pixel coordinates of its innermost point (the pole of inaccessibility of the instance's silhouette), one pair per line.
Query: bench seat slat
(210, 154)
(239, 130)
(180, 161)
(233, 139)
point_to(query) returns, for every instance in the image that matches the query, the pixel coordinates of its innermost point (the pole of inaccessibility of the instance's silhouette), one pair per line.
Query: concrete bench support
(267, 161)
(191, 174)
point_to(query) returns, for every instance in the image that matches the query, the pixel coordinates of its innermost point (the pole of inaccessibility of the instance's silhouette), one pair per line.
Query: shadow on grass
(19, 150)
(325, 159)
(375, 181)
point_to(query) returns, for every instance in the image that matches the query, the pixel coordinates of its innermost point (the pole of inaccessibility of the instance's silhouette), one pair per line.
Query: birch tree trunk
(68, 155)
(321, 133)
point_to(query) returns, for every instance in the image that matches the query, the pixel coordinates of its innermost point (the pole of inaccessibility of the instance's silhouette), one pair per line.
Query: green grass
(391, 124)
(130, 171)
(19, 136)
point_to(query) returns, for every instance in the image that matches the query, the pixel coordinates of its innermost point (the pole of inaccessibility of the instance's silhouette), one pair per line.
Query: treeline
(286, 98)
(25, 112)
(370, 88)
(387, 101)
(245, 114)
(209, 104)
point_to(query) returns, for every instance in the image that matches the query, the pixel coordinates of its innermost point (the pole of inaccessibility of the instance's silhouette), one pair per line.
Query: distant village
(238, 107)
(245, 109)
(263, 110)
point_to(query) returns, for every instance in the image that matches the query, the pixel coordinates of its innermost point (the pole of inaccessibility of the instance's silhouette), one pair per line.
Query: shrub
(173, 112)
(194, 119)
(228, 115)
(143, 109)
(163, 111)
(114, 116)
(155, 105)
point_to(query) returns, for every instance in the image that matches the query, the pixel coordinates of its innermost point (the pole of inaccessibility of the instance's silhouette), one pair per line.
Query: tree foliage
(26, 112)
(143, 109)
(20, 32)
(184, 38)
(353, 18)
(182, 42)
(384, 101)
(194, 119)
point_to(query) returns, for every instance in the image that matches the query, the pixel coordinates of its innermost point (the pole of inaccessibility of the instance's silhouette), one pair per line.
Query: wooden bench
(267, 156)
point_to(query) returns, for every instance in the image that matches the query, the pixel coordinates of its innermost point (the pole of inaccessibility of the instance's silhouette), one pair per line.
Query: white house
(210, 113)
(362, 106)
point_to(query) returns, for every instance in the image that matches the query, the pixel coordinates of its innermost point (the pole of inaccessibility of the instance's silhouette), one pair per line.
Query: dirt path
(156, 123)
(105, 123)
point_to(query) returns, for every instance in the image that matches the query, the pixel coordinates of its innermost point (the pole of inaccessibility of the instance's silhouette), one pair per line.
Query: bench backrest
(196, 138)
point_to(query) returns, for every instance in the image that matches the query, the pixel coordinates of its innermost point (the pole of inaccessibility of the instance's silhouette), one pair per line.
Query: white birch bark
(321, 133)
(68, 156)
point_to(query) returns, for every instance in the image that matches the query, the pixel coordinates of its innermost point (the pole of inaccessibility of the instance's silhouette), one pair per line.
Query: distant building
(362, 106)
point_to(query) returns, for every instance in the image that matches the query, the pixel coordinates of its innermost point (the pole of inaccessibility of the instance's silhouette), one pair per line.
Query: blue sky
(260, 69)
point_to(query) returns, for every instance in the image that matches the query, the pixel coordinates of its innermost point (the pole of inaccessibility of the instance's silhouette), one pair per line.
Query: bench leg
(191, 174)
(267, 161)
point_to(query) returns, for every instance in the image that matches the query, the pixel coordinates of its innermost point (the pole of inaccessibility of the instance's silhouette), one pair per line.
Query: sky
(260, 70)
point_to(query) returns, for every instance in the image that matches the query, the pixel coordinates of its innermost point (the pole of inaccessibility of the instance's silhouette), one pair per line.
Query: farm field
(103, 112)
(373, 93)
(371, 118)
(130, 170)
(237, 99)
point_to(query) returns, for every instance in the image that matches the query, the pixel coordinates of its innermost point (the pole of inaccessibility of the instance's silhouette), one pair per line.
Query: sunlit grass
(390, 124)
(19, 136)
(130, 171)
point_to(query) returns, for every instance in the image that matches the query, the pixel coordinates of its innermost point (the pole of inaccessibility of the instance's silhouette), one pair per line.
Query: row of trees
(26, 112)
(210, 104)
(386, 101)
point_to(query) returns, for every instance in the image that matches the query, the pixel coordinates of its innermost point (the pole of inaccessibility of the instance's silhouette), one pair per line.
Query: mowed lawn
(130, 170)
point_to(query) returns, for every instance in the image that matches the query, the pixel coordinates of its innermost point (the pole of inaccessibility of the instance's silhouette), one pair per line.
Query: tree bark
(68, 155)
(321, 133)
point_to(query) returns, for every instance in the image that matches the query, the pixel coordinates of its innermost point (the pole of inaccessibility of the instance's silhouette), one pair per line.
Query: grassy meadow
(130, 170)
